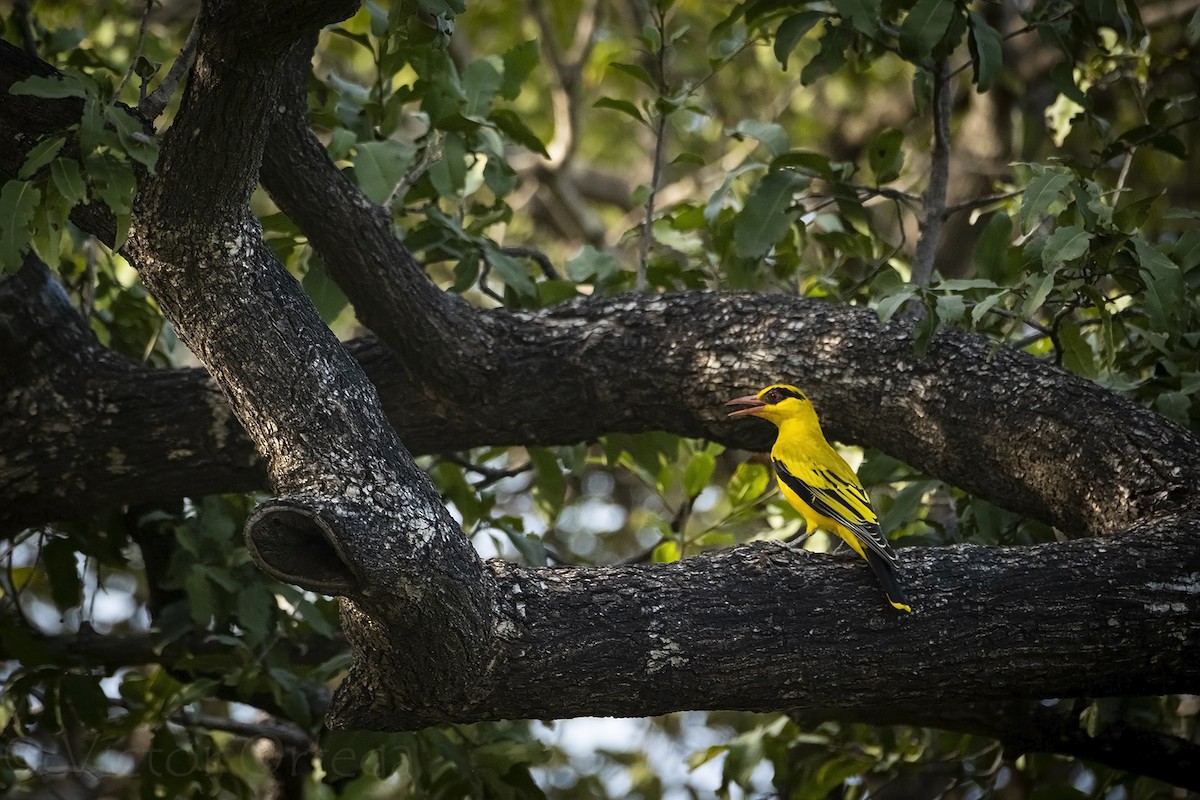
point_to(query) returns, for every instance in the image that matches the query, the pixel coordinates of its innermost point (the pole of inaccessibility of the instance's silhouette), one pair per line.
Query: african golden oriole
(820, 484)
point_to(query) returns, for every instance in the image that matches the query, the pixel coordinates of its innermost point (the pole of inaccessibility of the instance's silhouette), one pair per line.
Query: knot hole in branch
(296, 544)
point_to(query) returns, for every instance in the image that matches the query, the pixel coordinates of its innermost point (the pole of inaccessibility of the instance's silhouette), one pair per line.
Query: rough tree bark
(438, 635)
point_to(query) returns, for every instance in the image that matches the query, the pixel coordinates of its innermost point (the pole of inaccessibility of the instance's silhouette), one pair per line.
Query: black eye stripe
(778, 394)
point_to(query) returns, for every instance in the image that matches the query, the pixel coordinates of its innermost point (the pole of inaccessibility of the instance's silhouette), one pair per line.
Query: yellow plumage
(819, 483)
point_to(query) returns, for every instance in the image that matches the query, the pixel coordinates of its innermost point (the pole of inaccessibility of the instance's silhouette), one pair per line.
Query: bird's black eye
(774, 396)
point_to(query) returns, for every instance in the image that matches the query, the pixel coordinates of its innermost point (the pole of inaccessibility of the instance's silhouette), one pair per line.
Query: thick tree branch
(1084, 618)
(1026, 430)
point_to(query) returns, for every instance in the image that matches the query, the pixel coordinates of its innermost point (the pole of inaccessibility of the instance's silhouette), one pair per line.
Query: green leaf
(767, 215)
(1165, 291)
(326, 296)
(885, 156)
(965, 284)
(905, 507)
(466, 272)
(591, 264)
(68, 180)
(1066, 244)
(924, 27)
(40, 155)
(481, 80)
(624, 106)
(18, 203)
(519, 62)
(449, 173)
(515, 129)
(144, 68)
(987, 53)
(254, 606)
(200, 597)
(993, 249)
(698, 472)
(86, 697)
(951, 308)
(1043, 190)
(91, 128)
(791, 31)
(1039, 290)
(864, 15)
(531, 548)
(749, 480)
(379, 166)
(1077, 355)
(831, 55)
(1187, 249)
(666, 552)
(137, 144)
(514, 273)
(985, 305)
(773, 136)
(550, 488)
(1175, 406)
(889, 305)
(50, 86)
(694, 159)
(815, 164)
(116, 186)
(58, 559)
(635, 71)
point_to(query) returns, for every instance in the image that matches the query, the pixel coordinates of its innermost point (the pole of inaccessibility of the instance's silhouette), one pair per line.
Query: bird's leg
(796, 540)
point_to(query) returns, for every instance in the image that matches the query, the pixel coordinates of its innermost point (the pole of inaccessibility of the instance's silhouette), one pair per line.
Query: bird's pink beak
(751, 400)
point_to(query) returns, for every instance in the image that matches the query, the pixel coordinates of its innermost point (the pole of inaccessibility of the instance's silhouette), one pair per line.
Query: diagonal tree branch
(344, 479)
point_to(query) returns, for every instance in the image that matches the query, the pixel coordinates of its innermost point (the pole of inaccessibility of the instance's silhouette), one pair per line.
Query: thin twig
(137, 53)
(536, 256)
(979, 202)
(156, 102)
(934, 198)
(1032, 26)
(484, 270)
(274, 730)
(22, 15)
(433, 149)
(656, 172)
(490, 474)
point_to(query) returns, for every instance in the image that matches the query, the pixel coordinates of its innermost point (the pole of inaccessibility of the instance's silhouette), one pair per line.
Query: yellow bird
(820, 484)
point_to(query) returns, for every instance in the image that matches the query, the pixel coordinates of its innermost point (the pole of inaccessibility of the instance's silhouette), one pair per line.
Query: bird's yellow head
(779, 402)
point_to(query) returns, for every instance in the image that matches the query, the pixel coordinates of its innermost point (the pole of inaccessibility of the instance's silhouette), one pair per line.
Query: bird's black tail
(889, 579)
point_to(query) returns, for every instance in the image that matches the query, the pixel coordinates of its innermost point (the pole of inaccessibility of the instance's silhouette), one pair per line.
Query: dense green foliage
(779, 147)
